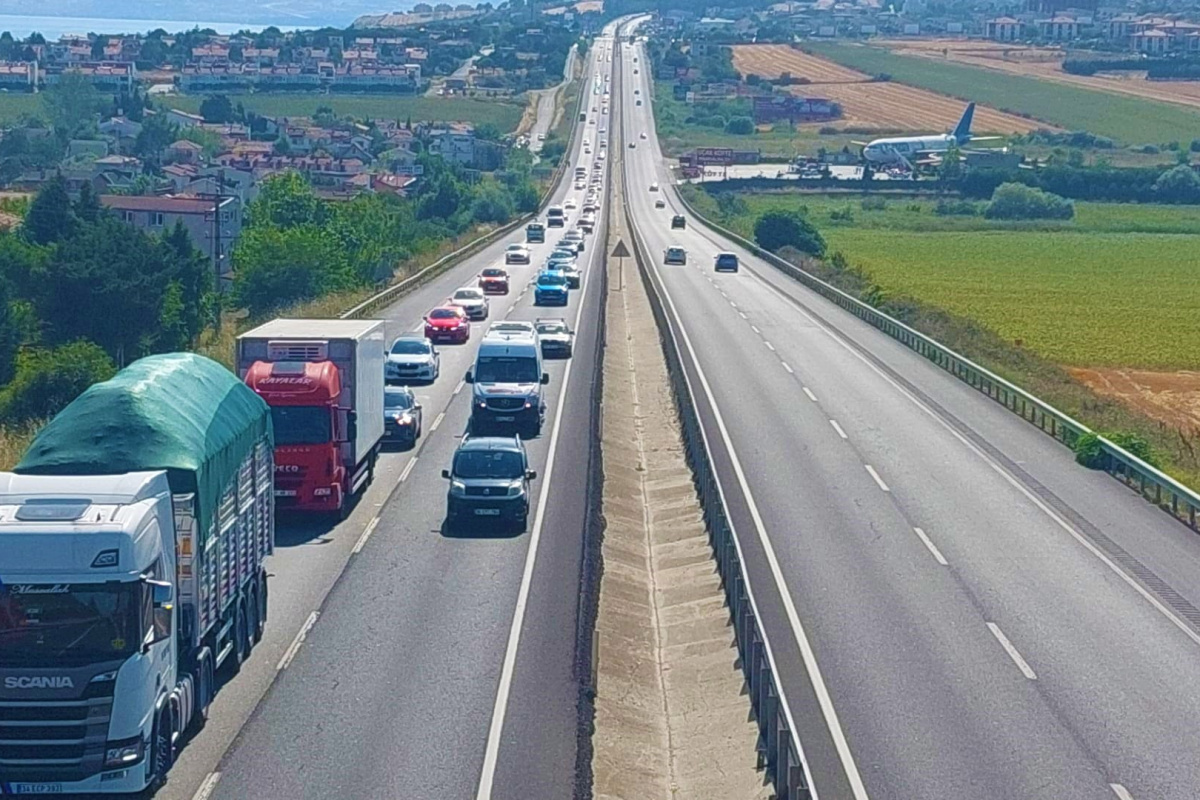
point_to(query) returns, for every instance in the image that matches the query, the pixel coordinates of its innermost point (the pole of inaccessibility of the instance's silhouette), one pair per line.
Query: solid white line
(407, 469)
(770, 346)
(437, 421)
(755, 329)
(824, 700)
(838, 428)
(788, 368)
(1000, 470)
(1022, 665)
(206, 788)
(460, 386)
(937, 554)
(1120, 791)
(808, 392)
(878, 479)
(366, 534)
(294, 647)
(491, 753)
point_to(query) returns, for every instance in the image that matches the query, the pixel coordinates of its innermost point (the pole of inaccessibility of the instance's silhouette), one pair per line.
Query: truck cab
(507, 382)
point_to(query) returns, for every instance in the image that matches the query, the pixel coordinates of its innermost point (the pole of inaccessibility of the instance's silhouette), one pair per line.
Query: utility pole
(216, 254)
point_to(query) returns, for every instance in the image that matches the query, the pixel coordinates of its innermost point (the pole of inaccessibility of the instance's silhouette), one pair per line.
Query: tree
(157, 133)
(951, 168)
(442, 200)
(87, 208)
(282, 146)
(98, 45)
(50, 218)
(71, 102)
(188, 304)
(216, 108)
(46, 380)
(10, 332)
(1179, 184)
(740, 125)
(1017, 201)
(488, 132)
(277, 267)
(286, 200)
(776, 229)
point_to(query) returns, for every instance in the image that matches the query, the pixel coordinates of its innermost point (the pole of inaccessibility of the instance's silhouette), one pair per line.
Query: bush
(956, 208)
(740, 125)
(873, 204)
(1194, 146)
(1090, 454)
(842, 214)
(776, 229)
(47, 380)
(1017, 201)
(1180, 184)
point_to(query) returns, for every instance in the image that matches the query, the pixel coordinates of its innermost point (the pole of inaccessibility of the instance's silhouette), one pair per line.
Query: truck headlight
(515, 489)
(124, 752)
(324, 491)
(458, 488)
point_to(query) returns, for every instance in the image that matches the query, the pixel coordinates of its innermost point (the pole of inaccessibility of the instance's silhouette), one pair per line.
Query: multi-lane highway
(405, 660)
(957, 610)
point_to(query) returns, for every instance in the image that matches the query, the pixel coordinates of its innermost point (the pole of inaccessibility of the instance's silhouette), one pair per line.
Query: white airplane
(908, 150)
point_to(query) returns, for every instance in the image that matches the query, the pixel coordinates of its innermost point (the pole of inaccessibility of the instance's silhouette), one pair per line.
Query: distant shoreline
(51, 27)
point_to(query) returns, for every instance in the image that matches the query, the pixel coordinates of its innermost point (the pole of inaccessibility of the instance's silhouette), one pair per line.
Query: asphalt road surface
(957, 609)
(390, 642)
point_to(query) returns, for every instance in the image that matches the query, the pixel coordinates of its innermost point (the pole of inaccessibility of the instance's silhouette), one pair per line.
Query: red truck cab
(310, 424)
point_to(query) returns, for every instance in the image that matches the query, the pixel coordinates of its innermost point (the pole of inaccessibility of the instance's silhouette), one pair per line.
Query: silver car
(472, 300)
(556, 337)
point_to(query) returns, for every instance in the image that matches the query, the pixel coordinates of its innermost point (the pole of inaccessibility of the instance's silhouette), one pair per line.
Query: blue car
(550, 289)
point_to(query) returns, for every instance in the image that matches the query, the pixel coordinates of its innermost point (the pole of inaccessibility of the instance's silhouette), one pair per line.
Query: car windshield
(410, 347)
(550, 279)
(78, 622)
(301, 424)
(551, 327)
(493, 273)
(443, 313)
(397, 400)
(488, 464)
(467, 294)
(506, 369)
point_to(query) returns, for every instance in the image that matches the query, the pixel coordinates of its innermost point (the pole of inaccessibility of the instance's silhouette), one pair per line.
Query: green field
(14, 105)
(1116, 287)
(1128, 120)
(504, 114)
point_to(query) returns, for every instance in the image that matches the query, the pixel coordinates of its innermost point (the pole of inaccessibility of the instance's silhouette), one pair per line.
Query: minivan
(507, 382)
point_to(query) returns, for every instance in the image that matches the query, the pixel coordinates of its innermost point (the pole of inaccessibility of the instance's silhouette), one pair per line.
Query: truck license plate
(37, 788)
(285, 492)
(509, 418)
(487, 512)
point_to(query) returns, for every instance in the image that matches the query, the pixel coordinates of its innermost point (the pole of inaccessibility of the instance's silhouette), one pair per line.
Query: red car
(494, 280)
(447, 324)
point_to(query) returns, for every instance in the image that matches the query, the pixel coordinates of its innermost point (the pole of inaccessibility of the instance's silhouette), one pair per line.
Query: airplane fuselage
(904, 149)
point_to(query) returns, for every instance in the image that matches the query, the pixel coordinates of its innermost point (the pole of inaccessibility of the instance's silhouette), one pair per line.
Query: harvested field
(1170, 397)
(886, 105)
(1044, 63)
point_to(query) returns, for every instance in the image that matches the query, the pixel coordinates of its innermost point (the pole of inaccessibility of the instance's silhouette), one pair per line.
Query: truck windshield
(506, 369)
(488, 464)
(75, 622)
(301, 424)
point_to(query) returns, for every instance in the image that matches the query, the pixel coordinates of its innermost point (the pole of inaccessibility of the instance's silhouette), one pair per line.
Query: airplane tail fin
(962, 131)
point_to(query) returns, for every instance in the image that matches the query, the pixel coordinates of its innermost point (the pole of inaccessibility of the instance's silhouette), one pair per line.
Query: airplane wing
(986, 138)
(860, 144)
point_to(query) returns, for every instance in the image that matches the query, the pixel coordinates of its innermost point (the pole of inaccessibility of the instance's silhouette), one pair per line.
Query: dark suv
(489, 479)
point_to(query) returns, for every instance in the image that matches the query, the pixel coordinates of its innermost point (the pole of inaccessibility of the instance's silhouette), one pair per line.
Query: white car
(654, 187)
(541, 137)
(516, 254)
(579, 185)
(472, 300)
(575, 236)
(643, 136)
(412, 358)
(570, 203)
(511, 326)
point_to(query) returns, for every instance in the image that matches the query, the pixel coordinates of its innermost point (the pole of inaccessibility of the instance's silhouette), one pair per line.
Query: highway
(392, 644)
(956, 609)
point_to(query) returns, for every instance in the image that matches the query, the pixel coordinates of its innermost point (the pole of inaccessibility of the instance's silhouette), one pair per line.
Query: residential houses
(215, 223)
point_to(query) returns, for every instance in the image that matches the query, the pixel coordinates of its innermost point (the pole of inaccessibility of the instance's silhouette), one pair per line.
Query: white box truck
(323, 379)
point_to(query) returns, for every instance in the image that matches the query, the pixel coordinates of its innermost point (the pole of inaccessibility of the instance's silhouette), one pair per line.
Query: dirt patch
(884, 105)
(1172, 398)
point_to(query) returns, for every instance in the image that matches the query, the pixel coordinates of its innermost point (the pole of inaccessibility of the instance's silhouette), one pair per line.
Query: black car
(401, 416)
(489, 480)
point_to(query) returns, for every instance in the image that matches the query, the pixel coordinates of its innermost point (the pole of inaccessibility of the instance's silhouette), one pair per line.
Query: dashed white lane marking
(1022, 665)
(838, 428)
(294, 647)
(937, 554)
(460, 386)
(770, 346)
(878, 479)
(808, 392)
(419, 327)
(366, 534)
(755, 329)
(1120, 791)
(742, 314)
(408, 468)
(437, 421)
(788, 368)
(206, 789)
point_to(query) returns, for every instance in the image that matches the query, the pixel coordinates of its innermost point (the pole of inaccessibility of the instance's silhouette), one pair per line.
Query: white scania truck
(132, 539)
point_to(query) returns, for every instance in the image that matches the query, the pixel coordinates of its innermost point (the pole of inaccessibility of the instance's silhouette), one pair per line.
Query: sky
(294, 13)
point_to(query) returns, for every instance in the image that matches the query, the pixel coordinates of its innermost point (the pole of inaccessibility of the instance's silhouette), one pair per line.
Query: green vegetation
(504, 114)
(779, 228)
(1127, 119)
(1017, 201)
(1089, 452)
(14, 107)
(1114, 287)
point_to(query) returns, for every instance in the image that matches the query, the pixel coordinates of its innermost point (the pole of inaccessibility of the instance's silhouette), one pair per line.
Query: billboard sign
(714, 156)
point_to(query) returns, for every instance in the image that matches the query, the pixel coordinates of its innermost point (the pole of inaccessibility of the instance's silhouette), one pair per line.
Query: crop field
(884, 105)
(1044, 63)
(504, 114)
(1114, 288)
(1122, 117)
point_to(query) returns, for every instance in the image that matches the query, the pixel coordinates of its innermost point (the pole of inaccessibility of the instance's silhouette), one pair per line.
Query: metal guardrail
(1153, 485)
(778, 746)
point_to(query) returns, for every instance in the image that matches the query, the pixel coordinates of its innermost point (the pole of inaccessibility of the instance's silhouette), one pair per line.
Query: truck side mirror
(351, 425)
(545, 378)
(530, 474)
(469, 377)
(446, 474)
(162, 610)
